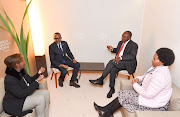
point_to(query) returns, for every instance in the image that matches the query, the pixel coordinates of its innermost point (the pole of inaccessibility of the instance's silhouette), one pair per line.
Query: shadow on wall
(146, 53)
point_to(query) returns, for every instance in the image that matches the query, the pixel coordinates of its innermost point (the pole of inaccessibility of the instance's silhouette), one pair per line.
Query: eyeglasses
(57, 38)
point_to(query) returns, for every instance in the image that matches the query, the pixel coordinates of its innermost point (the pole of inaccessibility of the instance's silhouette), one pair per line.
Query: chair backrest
(2, 92)
(175, 99)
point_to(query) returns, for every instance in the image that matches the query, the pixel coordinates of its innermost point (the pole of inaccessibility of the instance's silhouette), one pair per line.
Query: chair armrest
(157, 113)
(125, 85)
(43, 84)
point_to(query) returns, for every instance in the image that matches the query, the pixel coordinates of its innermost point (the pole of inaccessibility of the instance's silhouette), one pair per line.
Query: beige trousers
(40, 101)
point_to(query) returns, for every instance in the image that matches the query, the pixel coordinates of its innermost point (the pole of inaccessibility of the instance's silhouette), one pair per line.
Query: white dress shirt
(122, 51)
(60, 47)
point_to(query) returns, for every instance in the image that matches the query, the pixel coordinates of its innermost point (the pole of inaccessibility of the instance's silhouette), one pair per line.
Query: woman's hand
(40, 78)
(42, 69)
(134, 80)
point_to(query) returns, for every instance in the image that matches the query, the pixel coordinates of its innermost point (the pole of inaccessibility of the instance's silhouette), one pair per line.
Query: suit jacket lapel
(63, 47)
(59, 50)
(118, 47)
(128, 45)
(126, 48)
(62, 44)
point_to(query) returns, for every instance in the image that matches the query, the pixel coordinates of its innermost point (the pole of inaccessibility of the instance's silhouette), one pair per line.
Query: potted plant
(21, 40)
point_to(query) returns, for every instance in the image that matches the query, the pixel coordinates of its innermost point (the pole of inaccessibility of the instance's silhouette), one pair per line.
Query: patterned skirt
(129, 100)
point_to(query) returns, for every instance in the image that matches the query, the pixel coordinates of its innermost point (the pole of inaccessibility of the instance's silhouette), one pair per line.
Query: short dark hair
(129, 32)
(166, 56)
(57, 33)
(13, 59)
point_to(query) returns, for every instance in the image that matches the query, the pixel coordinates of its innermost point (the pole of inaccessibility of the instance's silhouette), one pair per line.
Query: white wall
(90, 25)
(161, 28)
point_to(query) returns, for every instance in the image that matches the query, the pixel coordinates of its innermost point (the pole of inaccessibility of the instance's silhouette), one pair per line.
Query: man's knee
(77, 65)
(64, 72)
(114, 70)
(110, 61)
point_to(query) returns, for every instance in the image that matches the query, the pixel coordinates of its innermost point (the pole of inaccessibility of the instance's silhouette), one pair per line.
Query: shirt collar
(58, 44)
(126, 41)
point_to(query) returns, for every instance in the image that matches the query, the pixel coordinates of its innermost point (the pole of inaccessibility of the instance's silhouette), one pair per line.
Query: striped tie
(120, 50)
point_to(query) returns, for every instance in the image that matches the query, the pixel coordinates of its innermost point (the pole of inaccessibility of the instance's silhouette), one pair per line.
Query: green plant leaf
(3, 28)
(27, 42)
(17, 37)
(22, 39)
(8, 27)
(27, 9)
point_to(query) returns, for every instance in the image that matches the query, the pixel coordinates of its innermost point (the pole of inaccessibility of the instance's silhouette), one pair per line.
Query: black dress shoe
(112, 91)
(73, 83)
(60, 82)
(101, 112)
(96, 82)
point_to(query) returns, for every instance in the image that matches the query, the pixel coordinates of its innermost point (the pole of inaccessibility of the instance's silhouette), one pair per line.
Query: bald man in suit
(125, 59)
(58, 52)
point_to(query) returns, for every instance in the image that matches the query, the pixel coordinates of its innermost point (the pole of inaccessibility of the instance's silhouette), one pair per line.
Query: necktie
(120, 50)
(60, 47)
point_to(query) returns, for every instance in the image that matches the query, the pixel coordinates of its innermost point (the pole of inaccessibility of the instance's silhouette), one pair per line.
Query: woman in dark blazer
(21, 94)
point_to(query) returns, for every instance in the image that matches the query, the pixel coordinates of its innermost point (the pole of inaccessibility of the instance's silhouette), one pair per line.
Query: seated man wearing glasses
(58, 52)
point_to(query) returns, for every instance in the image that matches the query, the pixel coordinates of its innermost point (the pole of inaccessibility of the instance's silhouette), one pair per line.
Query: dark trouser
(69, 63)
(113, 69)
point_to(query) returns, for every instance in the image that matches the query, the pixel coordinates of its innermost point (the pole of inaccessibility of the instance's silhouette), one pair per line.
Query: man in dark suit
(125, 59)
(59, 60)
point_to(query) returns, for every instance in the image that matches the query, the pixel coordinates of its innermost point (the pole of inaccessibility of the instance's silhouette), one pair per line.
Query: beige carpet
(68, 101)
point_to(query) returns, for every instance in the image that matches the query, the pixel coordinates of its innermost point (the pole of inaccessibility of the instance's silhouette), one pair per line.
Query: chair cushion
(125, 113)
(3, 114)
(175, 99)
(125, 85)
(125, 72)
(55, 70)
(2, 92)
(157, 113)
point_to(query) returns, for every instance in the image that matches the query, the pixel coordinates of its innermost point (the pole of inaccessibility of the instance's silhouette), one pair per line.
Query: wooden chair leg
(133, 75)
(52, 75)
(116, 75)
(129, 77)
(56, 79)
(68, 73)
